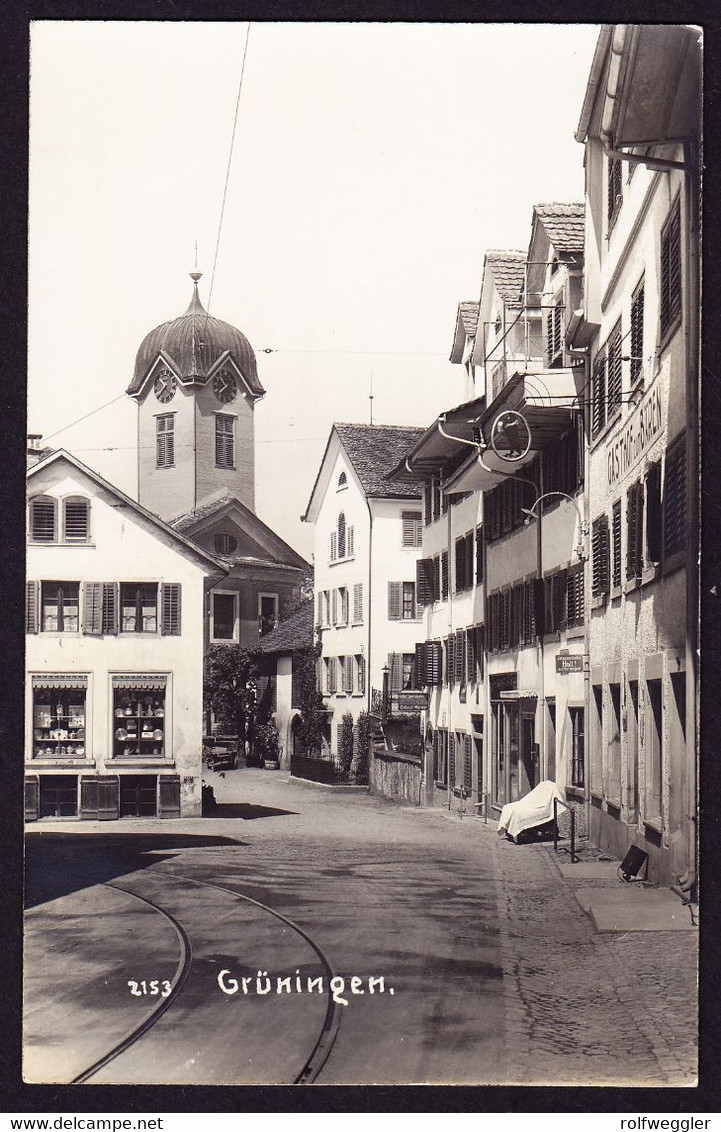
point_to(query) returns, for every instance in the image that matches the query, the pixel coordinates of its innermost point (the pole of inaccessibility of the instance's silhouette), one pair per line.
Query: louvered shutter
(110, 607)
(637, 311)
(613, 370)
(424, 581)
(361, 675)
(421, 665)
(444, 575)
(479, 554)
(599, 551)
(467, 763)
(345, 606)
(451, 760)
(598, 396)
(93, 608)
(674, 501)
(395, 601)
(469, 560)
(76, 515)
(411, 533)
(460, 656)
(42, 520)
(319, 614)
(31, 607)
(671, 271)
(358, 602)
(333, 545)
(333, 607)
(349, 674)
(616, 542)
(653, 513)
(350, 541)
(331, 675)
(470, 656)
(480, 650)
(170, 599)
(395, 671)
(450, 660)
(427, 503)
(434, 663)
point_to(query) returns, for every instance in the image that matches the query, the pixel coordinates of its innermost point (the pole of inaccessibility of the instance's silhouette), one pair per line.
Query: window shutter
(349, 675)
(345, 606)
(395, 599)
(334, 606)
(451, 660)
(467, 763)
(479, 554)
(444, 575)
(170, 598)
(358, 602)
(31, 607)
(671, 271)
(411, 528)
(451, 760)
(637, 311)
(76, 520)
(110, 607)
(469, 560)
(88, 797)
(616, 539)
(333, 545)
(32, 797)
(653, 513)
(434, 663)
(480, 650)
(460, 656)
(349, 541)
(674, 501)
(614, 370)
(361, 674)
(93, 608)
(169, 796)
(331, 675)
(108, 797)
(460, 565)
(42, 520)
(599, 551)
(424, 581)
(319, 614)
(395, 671)
(470, 656)
(421, 665)
(598, 398)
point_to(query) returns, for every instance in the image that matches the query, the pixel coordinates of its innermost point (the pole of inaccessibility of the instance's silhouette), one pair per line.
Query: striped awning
(60, 680)
(141, 683)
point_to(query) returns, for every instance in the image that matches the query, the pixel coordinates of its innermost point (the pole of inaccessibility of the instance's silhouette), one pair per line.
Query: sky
(372, 166)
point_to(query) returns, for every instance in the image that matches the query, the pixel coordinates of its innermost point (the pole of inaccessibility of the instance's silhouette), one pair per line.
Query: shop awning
(60, 680)
(140, 683)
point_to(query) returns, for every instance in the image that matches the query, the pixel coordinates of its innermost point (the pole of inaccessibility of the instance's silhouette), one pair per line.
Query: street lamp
(530, 513)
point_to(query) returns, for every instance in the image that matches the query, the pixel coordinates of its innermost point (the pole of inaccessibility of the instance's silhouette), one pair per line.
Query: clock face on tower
(164, 385)
(225, 386)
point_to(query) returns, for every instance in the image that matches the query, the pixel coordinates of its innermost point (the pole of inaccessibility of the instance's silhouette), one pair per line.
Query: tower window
(224, 441)
(165, 441)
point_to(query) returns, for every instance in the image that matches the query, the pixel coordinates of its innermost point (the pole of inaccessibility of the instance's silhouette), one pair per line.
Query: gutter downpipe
(369, 605)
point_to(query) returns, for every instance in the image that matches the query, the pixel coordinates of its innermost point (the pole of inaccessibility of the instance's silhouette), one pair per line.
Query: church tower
(195, 384)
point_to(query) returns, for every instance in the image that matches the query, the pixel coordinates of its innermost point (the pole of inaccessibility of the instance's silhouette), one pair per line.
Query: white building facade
(368, 533)
(114, 652)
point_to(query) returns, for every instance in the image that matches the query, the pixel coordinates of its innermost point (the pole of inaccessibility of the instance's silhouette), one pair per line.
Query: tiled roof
(184, 522)
(507, 269)
(564, 224)
(296, 632)
(469, 316)
(374, 450)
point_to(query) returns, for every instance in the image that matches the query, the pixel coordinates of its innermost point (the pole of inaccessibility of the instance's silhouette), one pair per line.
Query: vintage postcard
(362, 554)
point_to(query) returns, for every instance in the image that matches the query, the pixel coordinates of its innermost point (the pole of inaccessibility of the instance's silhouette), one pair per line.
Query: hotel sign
(627, 447)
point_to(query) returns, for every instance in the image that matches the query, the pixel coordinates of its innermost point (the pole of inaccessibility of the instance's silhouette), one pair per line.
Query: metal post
(573, 836)
(555, 825)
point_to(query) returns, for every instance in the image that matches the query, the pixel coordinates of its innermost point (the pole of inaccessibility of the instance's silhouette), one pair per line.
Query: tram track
(323, 1045)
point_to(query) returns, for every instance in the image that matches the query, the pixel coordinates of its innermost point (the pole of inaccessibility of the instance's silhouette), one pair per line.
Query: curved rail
(324, 1043)
(321, 1050)
(181, 974)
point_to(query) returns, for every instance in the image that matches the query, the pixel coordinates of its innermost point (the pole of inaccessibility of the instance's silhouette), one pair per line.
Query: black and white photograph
(362, 554)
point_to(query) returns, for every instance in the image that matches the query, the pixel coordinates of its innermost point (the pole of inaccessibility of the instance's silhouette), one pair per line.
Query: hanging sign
(510, 436)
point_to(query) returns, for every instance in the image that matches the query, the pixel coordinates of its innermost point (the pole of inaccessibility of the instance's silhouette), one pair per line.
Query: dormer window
(225, 543)
(342, 481)
(76, 519)
(43, 519)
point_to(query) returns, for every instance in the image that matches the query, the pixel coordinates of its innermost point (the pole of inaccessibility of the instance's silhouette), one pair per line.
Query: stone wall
(396, 776)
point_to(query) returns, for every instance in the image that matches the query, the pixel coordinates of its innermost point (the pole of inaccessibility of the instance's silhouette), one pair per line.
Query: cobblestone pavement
(583, 1007)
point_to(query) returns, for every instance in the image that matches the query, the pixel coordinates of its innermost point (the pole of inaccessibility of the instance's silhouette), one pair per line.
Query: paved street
(492, 972)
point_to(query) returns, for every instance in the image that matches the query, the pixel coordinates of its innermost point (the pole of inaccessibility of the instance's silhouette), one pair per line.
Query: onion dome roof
(193, 343)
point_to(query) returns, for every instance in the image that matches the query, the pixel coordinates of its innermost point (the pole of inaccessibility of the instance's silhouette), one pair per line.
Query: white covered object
(535, 809)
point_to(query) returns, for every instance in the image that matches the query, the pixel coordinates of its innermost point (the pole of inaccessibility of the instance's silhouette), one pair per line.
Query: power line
(227, 172)
(84, 418)
(376, 353)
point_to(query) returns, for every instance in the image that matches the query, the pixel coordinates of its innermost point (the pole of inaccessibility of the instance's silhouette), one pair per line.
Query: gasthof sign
(636, 436)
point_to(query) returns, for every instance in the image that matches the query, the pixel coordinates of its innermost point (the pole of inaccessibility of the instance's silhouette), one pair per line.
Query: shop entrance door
(530, 776)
